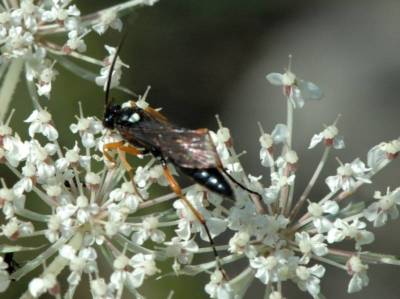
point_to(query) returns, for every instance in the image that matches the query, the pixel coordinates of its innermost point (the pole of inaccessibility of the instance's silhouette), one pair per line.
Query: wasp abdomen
(210, 178)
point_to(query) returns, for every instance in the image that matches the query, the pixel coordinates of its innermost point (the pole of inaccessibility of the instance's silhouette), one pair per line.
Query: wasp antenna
(114, 61)
(259, 196)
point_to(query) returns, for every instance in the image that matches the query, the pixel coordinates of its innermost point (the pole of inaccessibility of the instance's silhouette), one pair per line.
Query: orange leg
(178, 191)
(122, 151)
(120, 147)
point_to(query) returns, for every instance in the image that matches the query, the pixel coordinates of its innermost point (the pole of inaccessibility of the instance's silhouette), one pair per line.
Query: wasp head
(111, 115)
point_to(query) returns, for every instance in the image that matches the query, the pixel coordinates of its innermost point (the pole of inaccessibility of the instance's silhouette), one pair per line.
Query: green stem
(9, 85)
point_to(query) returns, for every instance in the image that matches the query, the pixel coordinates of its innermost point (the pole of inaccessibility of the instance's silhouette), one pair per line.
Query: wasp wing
(184, 147)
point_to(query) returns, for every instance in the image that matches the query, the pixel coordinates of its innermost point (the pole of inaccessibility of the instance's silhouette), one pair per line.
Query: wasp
(146, 131)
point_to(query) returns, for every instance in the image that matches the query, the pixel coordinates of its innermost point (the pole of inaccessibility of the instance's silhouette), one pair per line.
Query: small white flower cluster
(26, 28)
(96, 210)
(86, 208)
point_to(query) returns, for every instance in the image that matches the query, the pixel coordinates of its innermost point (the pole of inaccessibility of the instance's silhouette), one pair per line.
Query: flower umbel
(95, 210)
(27, 28)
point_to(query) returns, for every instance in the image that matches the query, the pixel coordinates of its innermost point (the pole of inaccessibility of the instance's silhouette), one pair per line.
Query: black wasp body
(192, 151)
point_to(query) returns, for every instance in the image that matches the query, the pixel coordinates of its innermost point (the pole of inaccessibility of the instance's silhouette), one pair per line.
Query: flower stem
(311, 184)
(9, 85)
(59, 263)
(289, 123)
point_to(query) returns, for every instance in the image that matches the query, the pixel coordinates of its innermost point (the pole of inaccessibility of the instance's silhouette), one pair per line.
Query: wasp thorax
(111, 115)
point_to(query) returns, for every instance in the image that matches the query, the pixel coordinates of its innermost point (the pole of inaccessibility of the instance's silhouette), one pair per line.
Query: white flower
(182, 250)
(330, 137)
(144, 266)
(383, 152)
(309, 245)
(291, 157)
(148, 230)
(188, 221)
(10, 202)
(378, 212)
(308, 279)
(355, 230)
(4, 276)
(269, 228)
(239, 242)
(87, 128)
(75, 42)
(39, 286)
(217, 287)
(85, 261)
(117, 71)
(298, 91)
(282, 180)
(321, 223)
(98, 288)
(108, 18)
(72, 159)
(41, 123)
(15, 150)
(127, 196)
(278, 266)
(348, 175)
(358, 271)
(15, 228)
(92, 179)
(60, 13)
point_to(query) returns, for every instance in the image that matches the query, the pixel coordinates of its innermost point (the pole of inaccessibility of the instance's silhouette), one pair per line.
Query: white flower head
(317, 212)
(4, 275)
(41, 123)
(108, 19)
(348, 175)
(88, 128)
(308, 279)
(144, 266)
(182, 250)
(47, 283)
(358, 271)
(239, 243)
(354, 230)
(217, 287)
(297, 90)
(330, 137)
(279, 266)
(75, 42)
(386, 206)
(383, 152)
(105, 71)
(309, 245)
(149, 230)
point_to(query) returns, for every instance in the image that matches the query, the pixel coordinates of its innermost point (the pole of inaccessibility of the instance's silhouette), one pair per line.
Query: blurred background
(203, 58)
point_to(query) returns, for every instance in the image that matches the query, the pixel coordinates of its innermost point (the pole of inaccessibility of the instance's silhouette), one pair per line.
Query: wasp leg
(178, 191)
(109, 147)
(122, 150)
